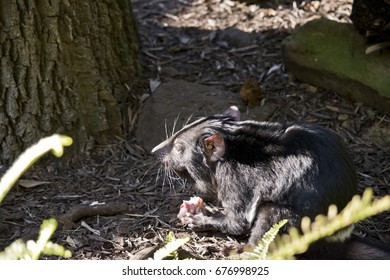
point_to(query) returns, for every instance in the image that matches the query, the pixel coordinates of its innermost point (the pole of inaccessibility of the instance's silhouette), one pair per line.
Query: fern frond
(261, 250)
(54, 143)
(357, 209)
(32, 250)
(171, 246)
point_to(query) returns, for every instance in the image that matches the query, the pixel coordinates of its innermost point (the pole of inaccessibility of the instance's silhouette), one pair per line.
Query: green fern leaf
(170, 248)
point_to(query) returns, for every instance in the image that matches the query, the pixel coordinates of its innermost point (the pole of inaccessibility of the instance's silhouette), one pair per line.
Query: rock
(332, 55)
(178, 99)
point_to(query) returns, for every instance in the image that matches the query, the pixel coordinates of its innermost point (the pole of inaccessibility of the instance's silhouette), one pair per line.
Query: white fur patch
(252, 213)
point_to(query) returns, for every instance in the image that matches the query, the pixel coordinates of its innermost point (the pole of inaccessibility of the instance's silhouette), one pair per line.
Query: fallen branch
(108, 209)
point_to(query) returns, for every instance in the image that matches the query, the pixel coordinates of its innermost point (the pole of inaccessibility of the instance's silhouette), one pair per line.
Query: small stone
(342, 117)
(349, 124)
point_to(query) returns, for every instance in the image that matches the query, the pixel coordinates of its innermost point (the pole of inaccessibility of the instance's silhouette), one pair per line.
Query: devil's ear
(214, 146)
(233, 112)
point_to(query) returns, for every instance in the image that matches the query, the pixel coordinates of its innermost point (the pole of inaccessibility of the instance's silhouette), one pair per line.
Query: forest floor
(193, 40)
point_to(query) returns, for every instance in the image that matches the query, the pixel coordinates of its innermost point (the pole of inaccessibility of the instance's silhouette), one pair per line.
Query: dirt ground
(215, 42)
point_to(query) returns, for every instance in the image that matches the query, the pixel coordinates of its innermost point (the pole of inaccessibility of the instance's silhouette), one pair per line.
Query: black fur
(261, 172)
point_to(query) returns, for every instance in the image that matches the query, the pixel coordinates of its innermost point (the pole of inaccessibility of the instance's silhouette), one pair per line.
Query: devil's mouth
(184, 174)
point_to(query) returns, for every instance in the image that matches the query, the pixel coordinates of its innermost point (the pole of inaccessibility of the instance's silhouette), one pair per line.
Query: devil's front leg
(230, 222)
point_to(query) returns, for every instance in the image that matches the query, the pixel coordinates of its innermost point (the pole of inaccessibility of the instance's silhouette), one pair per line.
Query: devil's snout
(160, 150)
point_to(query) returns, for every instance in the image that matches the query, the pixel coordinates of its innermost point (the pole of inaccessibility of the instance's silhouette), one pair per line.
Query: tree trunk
(66, 67)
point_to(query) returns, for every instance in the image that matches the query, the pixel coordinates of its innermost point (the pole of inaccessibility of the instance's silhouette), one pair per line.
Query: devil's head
(194, 151)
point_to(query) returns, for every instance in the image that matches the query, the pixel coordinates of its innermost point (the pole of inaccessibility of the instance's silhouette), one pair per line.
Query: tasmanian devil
(264, 172)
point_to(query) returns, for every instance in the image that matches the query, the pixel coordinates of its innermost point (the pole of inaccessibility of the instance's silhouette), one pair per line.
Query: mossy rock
(331, 55)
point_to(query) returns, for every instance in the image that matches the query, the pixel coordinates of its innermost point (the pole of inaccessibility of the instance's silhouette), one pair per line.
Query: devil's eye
(178, 148)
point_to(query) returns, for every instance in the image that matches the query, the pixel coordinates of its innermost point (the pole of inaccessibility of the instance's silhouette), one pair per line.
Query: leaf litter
(216, 42)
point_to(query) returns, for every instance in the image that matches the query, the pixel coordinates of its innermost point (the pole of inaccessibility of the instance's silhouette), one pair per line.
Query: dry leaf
(251, 92)
(274, 68)
(71, 242)
(153, 85)
(31, 183)
(94, 231)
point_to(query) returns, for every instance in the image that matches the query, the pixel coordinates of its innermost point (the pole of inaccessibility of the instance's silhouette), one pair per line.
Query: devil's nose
(154, 151)
(158, 150)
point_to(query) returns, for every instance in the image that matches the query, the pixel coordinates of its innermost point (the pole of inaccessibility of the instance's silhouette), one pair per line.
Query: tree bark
(66, 67)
